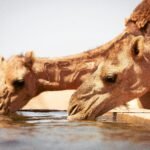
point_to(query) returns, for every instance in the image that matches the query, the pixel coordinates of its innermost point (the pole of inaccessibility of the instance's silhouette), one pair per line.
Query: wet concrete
(51, 131)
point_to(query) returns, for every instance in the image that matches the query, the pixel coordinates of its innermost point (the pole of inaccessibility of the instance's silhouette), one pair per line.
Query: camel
(25, 76)
(123, 76)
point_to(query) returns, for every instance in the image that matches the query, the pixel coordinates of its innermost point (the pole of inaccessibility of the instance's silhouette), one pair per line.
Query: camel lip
(75, 118)
(95, 106)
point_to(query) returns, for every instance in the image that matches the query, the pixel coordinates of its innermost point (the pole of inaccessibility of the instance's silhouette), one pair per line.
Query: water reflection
(51, 130)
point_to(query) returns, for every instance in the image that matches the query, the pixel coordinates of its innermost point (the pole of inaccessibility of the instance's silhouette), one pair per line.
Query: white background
(60, 27)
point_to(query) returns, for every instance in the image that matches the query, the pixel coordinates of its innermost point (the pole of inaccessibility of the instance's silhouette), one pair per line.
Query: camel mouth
(90, 109)
(5, 103)
(96, 105)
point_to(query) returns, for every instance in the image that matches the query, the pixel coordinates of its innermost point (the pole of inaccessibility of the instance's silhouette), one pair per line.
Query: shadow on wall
(51, 100)
(59, 100)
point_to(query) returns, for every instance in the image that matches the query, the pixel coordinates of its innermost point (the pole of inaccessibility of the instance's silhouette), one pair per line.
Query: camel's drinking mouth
(96, 105)
(91, 108)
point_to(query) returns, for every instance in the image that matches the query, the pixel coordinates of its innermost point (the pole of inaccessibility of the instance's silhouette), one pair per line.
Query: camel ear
(29, 58)
(2, 58)
(138, 47)
(148, 30)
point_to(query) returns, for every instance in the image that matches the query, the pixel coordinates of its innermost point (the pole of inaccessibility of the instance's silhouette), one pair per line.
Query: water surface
(52, 131)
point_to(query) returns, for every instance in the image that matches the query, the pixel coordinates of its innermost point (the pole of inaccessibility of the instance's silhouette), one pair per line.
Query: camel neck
(69, 72)
(63, 74)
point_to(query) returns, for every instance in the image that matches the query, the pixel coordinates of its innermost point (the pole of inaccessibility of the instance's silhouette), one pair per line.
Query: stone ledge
(135, 116)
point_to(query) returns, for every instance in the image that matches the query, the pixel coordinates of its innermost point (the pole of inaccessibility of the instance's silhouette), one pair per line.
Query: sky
(53, 28)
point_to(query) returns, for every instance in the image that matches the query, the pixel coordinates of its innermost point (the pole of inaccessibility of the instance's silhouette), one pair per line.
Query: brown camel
(25, 76)
(123, 76)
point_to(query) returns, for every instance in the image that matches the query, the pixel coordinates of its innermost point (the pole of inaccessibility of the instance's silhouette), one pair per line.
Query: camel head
(124, 75)
(18, 83)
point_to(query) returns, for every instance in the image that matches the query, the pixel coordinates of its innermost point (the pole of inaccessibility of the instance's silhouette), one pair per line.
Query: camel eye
(135, 49)
(110, 78)
(18, 84)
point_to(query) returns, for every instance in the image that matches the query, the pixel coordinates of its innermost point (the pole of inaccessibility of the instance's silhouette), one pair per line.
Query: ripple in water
(51, 130)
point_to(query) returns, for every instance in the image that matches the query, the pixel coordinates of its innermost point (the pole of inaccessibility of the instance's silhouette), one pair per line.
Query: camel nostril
(112, 78)
(73, 110)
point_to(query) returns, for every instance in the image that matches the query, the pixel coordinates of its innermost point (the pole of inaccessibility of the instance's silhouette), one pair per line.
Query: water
(51, 131)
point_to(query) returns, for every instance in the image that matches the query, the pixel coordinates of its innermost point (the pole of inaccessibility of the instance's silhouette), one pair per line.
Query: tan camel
(123, 76)
(25, 76)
